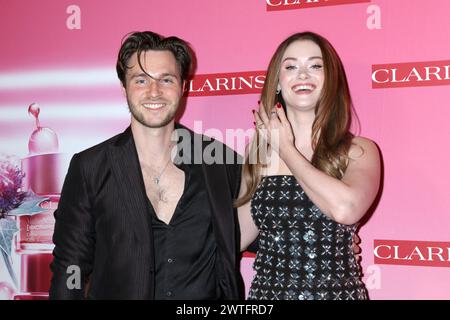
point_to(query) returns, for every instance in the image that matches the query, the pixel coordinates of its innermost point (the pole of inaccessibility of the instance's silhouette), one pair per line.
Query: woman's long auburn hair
(331, 136)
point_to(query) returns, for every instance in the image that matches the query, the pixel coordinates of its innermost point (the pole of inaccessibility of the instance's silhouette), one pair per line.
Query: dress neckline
(278, 175)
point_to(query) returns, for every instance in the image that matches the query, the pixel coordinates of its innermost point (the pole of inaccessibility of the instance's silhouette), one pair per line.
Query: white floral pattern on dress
(303, 254)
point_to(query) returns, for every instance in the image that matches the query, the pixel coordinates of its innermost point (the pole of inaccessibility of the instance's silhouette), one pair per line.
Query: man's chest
(165, 191)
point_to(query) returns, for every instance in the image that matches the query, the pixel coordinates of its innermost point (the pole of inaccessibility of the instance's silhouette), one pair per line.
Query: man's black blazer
(103, 225)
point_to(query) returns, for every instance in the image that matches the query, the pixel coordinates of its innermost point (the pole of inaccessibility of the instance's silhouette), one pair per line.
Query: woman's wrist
(287, 150)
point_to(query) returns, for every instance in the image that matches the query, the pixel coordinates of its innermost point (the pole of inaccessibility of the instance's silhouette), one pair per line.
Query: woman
(318, 179)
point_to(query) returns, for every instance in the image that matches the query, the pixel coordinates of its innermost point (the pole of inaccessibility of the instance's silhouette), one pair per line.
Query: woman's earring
(278, 90)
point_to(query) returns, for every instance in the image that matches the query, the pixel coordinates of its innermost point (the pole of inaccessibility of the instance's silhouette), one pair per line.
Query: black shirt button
(169, 293)
(169, 260)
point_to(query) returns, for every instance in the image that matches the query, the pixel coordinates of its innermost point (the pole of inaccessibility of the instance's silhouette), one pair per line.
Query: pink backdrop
(70, 73)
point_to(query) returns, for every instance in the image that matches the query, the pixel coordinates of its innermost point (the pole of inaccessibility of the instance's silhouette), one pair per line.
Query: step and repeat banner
(59, 94)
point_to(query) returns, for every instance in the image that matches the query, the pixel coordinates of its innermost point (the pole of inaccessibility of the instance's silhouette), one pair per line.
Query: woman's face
(301, 75)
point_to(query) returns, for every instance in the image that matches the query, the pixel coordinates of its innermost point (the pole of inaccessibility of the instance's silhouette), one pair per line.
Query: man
(136, 223)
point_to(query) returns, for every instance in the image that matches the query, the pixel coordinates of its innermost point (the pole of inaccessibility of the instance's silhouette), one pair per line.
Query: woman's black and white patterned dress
(302, 253)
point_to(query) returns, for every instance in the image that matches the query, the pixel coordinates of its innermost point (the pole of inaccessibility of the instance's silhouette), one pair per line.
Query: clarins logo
(217, 84)
(411, 74)
(414, 253)
(273, 5)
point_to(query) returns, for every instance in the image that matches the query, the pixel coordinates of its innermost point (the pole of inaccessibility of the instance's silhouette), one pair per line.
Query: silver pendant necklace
(157, 179)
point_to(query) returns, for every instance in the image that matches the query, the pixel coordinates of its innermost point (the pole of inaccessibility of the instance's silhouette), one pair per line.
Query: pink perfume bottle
(44, 170)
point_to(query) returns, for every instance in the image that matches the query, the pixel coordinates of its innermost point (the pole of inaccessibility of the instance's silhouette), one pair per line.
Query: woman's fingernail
(278, 105)
(259, 101)
(253, 110)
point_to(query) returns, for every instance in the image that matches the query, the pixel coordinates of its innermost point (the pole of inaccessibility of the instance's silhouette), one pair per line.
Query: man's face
(153, 100)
